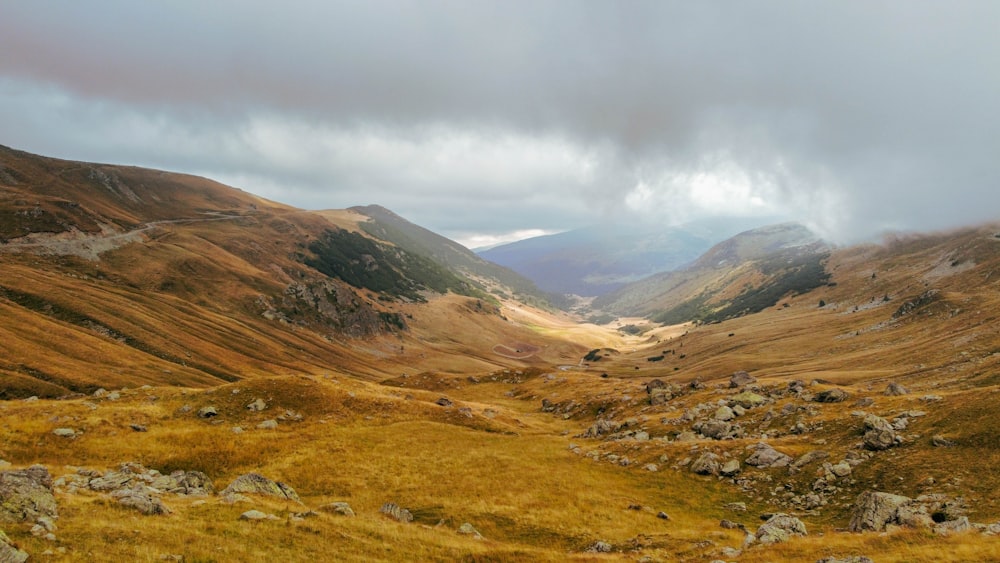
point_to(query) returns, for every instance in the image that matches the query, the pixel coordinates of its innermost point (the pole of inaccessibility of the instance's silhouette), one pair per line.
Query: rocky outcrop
(780, 528)
(765, 456)
(878, 433)
(396, 512)
(741, 378)
(26, 495)
(706, 464)
(341, 508)
(141, 498)
(895, 389)
(255, 484)
(831, 396)
(873, 510)
(9, 553)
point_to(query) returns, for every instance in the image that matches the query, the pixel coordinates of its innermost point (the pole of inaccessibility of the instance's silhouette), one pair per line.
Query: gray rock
(960, 524)
(706, 464)
(141, 499)
(780, 528)
(65, 432)
(942, 442)
(9, 553)
(741, 378)
(747, 400)
(138, 428)
(873, 510)
(257, 405)
(765, 456)
(256, 515)
(269, 424)
(467, 529)
(724, 413)
(730, 468)
(849, 559)
(895, 389)
(444, 402)
(878, 433)
(686, 436)
(255, 484)
(207, 412)
(600, 547)
(26, 495)
(341, 508)
(831, 396)
(736, 506)
(715, 429)
(810, 457)
(396, 512)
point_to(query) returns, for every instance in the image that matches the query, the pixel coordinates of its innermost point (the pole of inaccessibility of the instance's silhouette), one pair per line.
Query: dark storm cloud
(496, 116)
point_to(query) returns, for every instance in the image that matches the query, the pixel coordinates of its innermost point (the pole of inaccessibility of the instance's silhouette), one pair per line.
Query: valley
(165, 336)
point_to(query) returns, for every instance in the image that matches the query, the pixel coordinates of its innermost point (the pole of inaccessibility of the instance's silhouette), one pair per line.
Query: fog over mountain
(486, 120)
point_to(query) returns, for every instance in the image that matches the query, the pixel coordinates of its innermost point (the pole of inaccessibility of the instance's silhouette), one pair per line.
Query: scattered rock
(341, 508)
(831, 396)
(444, 402)
(138, 428)
(600, 547)
(960, 524)
(849, 559)
(9, 553)
(467, 529)
(26, 495)
(662, 515)
(724, 413)
(142, 499)
(780, 528)
(269, 424)
(257, 405)
(741, 378)
(736, 506)
(730, 468)
(747, 400)
(766, 456)
(895, 389)
(255, 484)
(730, 525)
(207, 412)
(873, 510)
(942, 442)
(65, 432)
(879, 434)
(256, 515)
(706, 464)
(808, 458)
(396, 512)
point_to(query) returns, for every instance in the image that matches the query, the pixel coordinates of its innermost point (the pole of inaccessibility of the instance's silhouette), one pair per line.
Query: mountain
(601, 259)
(116, 275)
(743, 274)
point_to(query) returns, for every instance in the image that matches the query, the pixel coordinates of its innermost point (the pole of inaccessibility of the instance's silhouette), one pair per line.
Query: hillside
(232, 379)
(597, 260)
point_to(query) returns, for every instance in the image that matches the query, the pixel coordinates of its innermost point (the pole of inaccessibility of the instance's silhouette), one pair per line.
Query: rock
(730, 525)
(269, 424)
(873, 510)
(960, 524)
(730, 468)
(138, 428)
(724, 414)
(641, 436)
(255, 484)
(9, 553)
(741, 378)
(396, 512)
(466, 529)
(600, 547)
(766, 456)
(895, 389)
(26, 495)
(706, 464)
(715, 429)
(341, 508)
(114, 396)
(809, 457)
(849, 559)
(444, 402)
(190, 483)
(257, 405)
(237, 429)
(141, 498)
(256, 515)
(878, 433)
(65, 432)
(654, 384)
(101, 392)
(839, 470)
(736, 506)
(831, 396)
(780, 528)
(942, 442)
(207, 412)
(651, 467)
(686, 436)
(660, 396)
(664, 516)
(747, 400)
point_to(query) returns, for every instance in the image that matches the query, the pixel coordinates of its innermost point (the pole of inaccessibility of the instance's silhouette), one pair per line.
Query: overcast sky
(490, 119)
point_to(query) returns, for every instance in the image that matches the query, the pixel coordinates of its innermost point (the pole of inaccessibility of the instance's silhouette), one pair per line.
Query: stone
(873, 510)
(765, 456)
(654, 384)
(9, 553)
(736, 506)
(600, 547)
(730, 468)
(895, 389)
(747, 400)
(26, 495)
(715, 429)
(831, 396)
(396, 512)
(741, 378)
(341, 508)
(664, 516)
(255, 484)
(706, 464)
(730, 525)
(467, 529)
(780, 528)
(444, 402)
(849, 559)
(269, 424)
(960, 524)
(257, 405)
(940, 441)
(140, 498)
(686, 436)
(207, 412)
(878, 433)
(65, 432)
(724, 413)
(256, 515)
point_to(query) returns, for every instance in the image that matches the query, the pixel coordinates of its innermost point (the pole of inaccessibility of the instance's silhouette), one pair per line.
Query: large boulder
(141, 498)
(706, 464)
(780, 528)
(26, 495)
(741, 378)
(831, 396)
(255, 484)
(9, 553)
(396, 512)
(873, 510)
(747, 400)
(878, 433)
(765, 456)
(895, 389)
(715, 429)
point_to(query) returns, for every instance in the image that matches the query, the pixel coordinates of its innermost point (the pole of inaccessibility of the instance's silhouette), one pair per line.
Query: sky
(494, 120)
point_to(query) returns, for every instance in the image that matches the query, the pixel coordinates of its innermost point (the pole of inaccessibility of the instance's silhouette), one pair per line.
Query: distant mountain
(601, 259)
(488, 276)
(743, 274)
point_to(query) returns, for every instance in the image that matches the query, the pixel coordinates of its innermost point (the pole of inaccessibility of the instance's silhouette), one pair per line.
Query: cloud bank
(488, 118)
